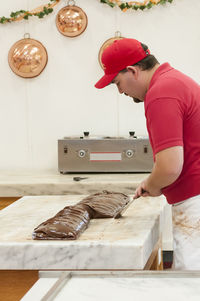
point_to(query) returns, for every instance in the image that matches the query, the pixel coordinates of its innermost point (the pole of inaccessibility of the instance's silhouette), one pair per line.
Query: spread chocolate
(106, 203)
(68, 223)
(71, 221)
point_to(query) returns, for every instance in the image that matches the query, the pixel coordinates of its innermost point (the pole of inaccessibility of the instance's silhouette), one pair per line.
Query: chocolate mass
(71, 221)
(106, 204)
(68, 223)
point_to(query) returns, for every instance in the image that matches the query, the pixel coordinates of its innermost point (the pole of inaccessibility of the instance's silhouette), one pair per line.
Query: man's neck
(150, 74)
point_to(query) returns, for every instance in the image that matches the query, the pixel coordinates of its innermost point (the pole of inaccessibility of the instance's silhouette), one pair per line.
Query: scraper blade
(119, 213)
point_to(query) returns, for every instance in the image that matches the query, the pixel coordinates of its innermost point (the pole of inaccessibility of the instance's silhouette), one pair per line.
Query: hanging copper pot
(71, 20)
(108, 43)
(27, 57)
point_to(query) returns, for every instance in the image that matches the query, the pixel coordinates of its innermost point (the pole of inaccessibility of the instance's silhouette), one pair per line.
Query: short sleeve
(165, 123)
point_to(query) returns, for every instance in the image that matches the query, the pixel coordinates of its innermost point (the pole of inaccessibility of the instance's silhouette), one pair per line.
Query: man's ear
(134, 70)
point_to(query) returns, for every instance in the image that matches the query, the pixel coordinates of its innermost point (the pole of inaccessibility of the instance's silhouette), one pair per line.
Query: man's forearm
(160, 178)
(166, 170)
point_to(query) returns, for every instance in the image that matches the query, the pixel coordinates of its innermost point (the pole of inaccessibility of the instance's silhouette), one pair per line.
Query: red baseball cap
(119, 55)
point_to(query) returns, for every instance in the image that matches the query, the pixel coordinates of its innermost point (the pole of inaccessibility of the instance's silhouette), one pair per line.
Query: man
(172, 110)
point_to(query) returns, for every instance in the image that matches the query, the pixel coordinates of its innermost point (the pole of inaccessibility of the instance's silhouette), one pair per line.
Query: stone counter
(124, 243)
(129, 286)
(22, 184)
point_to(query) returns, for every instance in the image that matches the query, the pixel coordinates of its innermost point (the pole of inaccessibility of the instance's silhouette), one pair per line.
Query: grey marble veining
(118, 286)
(130, 289)
(124, 243)
(21, 184)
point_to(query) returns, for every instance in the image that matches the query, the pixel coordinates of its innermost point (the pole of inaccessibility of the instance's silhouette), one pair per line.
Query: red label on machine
(105, 156)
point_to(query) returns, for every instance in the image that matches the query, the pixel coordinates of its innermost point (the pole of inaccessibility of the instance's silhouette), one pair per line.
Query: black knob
(86, 134)
(132, 134)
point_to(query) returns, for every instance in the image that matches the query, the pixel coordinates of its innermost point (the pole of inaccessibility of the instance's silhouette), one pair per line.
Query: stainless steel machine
(104, 154)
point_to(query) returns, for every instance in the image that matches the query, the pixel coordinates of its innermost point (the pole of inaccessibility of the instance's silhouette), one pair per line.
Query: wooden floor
(4, 202)
(15, 284)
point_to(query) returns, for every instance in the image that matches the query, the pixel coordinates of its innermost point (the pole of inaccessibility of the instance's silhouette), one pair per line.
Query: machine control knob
(86, 134)
(129, 153)
(132, 134)
(82, 153)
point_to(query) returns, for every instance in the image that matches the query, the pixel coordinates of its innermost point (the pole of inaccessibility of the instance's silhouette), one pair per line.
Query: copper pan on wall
(71, 20)
(27, 57)
(108, 43)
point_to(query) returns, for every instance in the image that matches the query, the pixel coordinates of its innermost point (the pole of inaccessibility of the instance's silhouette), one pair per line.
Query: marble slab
(21, 184)
(117, 286)
(124, 243)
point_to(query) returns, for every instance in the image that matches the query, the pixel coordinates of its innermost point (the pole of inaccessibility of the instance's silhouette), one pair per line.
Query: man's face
(128, 83)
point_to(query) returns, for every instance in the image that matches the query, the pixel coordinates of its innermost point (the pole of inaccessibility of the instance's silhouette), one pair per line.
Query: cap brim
(105, 80)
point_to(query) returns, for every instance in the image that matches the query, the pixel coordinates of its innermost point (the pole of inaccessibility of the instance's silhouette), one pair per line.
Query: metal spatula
(119, 213)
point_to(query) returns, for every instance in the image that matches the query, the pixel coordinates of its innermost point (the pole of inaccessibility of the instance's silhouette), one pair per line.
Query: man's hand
(143, 190)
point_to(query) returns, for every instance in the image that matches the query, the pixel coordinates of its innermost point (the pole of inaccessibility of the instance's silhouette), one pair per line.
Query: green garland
(23, 14)
(126, 5)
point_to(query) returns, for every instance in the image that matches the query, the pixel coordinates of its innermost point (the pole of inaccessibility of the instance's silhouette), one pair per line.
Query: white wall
(62, 101)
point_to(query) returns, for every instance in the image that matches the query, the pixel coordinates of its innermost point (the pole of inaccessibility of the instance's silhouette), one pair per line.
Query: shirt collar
(161, 69)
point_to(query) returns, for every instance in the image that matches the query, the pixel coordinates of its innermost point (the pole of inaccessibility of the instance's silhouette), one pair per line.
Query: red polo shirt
(172, 110)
